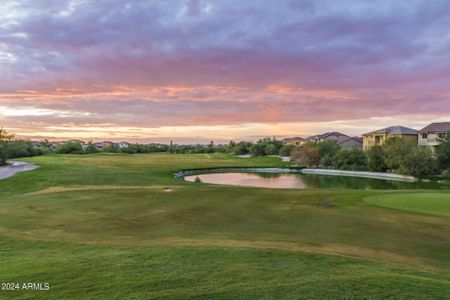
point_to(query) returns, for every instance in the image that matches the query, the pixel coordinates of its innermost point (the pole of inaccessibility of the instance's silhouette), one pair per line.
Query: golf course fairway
(122, 227)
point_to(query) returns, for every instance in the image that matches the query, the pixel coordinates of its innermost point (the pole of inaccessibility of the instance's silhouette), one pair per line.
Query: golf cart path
(14, 167)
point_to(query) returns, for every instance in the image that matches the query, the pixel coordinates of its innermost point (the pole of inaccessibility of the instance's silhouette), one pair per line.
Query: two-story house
(430, 135)
(328, 136)
(295, 141)
(379, 137)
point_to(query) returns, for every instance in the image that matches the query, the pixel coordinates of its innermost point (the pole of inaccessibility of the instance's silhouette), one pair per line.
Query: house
(123, 145)
(351, 142)
(379, 137)
(328, 136)
(430, 135)
(103, 145)
(295, 141)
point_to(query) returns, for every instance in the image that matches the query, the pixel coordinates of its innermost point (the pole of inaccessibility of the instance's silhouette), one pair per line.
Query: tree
(396, 149)
(307, 155)
(91, 148)
(3, 154)
(5, 140)
(375, 159)
(286, 150)
(258, 149)
(242, 148)
(419, 162)
(350, 159)
(20, 149)
(210, 147)
(443, 152)
(327, 150)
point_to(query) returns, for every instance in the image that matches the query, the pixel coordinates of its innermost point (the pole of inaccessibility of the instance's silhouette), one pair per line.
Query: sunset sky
(195, 71)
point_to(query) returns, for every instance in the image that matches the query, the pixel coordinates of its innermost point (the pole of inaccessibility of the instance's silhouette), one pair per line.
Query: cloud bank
(221, 69)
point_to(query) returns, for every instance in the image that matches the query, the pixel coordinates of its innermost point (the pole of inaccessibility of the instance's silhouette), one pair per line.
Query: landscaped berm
(122, 227)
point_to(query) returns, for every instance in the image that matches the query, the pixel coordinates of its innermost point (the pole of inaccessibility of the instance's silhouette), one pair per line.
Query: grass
(427, 203)
(105, 226)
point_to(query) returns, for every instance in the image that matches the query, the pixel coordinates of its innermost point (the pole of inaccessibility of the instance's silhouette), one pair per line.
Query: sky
(195, 71)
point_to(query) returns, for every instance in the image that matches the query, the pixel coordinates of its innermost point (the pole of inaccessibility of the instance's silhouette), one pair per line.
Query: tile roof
(355, 138)
(436, 127)
(325, 135)
(394, 130)
(293, 138)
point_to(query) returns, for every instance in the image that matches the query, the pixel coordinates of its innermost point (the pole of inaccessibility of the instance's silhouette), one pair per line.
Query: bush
(327, 150)
(443, 153)
(5, 139)
(286, 150)
(69, 148)
(258, 149)
(375, 159)
(350, 159)
(91, 148)
(3, 154)
(307, 155)
(419, 162)
(396, 149)
(242, 148)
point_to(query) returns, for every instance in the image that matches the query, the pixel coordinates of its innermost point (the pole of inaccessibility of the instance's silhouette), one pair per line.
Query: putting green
(427, 203)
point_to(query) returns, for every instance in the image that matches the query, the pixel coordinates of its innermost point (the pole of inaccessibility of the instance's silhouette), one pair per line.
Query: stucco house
(379, 137)
(123, 145)
(328, 136)
(103, 145)
(430, 135)
(295, 141)
(351, 142)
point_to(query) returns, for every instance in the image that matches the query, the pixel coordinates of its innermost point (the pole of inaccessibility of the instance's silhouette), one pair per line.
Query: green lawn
(427, 203)
(105, 226)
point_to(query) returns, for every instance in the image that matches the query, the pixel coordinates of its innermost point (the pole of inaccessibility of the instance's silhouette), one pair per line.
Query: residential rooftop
(436, 127)
(393, 130)
(326, 134)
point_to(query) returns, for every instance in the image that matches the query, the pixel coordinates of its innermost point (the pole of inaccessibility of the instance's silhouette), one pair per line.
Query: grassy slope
(119, 233)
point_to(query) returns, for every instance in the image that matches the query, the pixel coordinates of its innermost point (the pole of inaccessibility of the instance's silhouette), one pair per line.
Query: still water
(302, 181)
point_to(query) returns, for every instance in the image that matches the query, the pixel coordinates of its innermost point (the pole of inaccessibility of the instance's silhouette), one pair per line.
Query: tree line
(396, 155)
(266, 146)
(14, 148)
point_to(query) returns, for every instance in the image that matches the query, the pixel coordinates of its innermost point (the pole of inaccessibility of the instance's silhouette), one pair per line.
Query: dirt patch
(62, 189)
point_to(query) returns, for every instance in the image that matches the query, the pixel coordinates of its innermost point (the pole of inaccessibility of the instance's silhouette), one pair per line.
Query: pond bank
(360, 174)
(363, 174)
(14, 167)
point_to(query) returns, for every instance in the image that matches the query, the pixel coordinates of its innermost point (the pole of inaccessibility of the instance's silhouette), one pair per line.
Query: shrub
(443, 153)
(3, 155)
(419, 162)
(286, 150)
(396, 149)
(327, 150)
(242, 148)
(375, 159)
(69, 148)
(350, 159)
(258, 149)
(307, 155)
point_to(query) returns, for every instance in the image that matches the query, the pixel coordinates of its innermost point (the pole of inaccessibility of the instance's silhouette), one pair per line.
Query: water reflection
(302, 181)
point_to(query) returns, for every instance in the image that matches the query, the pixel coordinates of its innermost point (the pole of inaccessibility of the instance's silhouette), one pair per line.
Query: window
(424, 135)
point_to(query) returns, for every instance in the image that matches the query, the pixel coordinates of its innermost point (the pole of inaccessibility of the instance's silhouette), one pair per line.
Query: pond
(303, 181)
